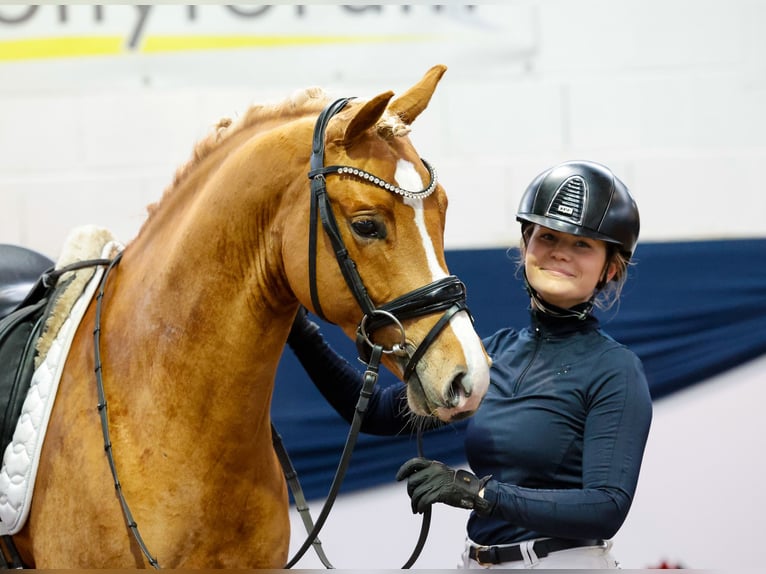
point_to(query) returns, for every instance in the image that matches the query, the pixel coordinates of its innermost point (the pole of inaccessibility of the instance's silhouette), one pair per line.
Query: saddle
(25, 292)
(34, 301)
(23, 317)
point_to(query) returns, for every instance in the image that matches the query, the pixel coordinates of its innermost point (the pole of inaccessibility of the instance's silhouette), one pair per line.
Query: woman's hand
(430, 481)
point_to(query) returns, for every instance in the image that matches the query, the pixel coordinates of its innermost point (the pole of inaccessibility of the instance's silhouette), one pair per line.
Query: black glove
(302, 328)
(430, 481)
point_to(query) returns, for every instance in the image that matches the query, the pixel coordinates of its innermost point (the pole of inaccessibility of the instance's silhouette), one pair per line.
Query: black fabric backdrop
(690, 310)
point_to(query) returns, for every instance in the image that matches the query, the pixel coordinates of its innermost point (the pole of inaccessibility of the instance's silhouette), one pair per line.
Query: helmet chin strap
(579, 311)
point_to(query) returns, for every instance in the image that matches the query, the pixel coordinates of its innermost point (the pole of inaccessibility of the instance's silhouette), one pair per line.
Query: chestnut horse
(192, 322)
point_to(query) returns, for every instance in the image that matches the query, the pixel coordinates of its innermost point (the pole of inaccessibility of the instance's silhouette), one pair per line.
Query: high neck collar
(550, 325)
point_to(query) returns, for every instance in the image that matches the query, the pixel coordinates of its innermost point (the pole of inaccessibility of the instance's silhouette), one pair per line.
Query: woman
(560, 435)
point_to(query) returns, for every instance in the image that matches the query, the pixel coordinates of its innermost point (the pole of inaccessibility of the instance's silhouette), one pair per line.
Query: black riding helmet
(583, 198)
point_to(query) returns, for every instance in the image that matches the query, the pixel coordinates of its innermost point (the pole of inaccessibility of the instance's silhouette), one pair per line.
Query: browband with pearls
(367, 176)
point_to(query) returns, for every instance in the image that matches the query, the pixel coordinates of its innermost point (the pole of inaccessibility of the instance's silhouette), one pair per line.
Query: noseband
(447, 294)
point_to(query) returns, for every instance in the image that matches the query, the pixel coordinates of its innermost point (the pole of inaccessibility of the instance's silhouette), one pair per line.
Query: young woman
(560, 435)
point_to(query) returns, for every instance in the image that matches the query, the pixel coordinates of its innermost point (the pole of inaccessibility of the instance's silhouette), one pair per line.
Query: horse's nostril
(459, 388)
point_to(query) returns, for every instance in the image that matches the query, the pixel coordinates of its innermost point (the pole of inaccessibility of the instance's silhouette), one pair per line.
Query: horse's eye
(368, 228)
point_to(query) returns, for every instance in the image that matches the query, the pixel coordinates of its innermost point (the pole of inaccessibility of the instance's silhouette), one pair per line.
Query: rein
(102, 410)
(370, 379)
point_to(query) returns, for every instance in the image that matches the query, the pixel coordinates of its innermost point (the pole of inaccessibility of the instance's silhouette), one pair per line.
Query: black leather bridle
(447, 294)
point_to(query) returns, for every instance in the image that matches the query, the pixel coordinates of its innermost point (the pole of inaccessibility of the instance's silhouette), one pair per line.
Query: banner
(49, 31)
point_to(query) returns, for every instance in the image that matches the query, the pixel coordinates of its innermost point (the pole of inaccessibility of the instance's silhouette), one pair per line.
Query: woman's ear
(611, 270)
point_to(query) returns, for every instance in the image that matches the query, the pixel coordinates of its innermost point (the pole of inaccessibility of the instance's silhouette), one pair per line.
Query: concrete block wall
(669, 94)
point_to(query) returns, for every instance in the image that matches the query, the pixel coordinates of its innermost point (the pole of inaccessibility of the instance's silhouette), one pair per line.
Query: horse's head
(376, 264)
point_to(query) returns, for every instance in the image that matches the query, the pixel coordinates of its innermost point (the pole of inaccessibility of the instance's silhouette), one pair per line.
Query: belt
(543, 547)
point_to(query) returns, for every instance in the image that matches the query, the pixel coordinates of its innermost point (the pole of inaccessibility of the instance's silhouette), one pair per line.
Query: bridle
(447, 294)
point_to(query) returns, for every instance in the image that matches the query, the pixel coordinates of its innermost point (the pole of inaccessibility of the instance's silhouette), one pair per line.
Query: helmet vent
(569, 200)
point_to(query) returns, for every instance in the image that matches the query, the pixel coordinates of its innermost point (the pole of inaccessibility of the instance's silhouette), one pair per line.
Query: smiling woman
(579, 227)
(565, 267)
(560, 435)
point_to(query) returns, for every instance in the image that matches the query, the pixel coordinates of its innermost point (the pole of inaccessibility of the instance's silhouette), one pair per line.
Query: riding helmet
(583, 198)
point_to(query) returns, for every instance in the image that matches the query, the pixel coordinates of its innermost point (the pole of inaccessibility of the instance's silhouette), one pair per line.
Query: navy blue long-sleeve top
(562, 428)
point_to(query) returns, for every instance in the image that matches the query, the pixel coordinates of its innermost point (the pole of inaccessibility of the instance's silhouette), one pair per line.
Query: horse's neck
(199, 321)
(219, 232)
(197, 289)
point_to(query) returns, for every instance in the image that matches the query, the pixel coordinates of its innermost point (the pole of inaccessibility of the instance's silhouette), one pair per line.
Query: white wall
(668, 92)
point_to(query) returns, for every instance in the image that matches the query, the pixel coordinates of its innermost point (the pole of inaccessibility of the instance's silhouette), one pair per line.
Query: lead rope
(104, 420)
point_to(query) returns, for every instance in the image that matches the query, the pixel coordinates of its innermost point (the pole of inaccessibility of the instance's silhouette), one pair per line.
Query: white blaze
(407, 177)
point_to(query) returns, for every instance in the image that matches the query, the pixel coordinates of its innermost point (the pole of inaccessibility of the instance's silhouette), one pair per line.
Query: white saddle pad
(22, 456)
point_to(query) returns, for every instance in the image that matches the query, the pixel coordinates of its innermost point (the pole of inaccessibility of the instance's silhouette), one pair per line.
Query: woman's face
(563, 268)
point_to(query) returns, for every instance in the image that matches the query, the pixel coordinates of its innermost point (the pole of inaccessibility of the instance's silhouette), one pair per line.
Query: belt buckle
(478, 561)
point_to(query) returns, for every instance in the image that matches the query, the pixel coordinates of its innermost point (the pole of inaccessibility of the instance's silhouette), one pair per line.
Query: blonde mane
(301, 102)
(298, 104)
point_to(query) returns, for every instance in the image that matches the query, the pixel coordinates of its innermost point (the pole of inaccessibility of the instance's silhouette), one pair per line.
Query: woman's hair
(607, 294)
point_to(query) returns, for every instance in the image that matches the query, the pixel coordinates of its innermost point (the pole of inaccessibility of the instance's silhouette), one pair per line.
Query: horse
(158, 450)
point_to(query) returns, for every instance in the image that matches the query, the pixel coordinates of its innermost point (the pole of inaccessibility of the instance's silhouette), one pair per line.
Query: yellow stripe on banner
(156, 44)
(64, 47)
(37, 48)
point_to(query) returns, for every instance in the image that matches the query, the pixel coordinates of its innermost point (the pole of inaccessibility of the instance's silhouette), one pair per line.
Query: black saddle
(24, 297)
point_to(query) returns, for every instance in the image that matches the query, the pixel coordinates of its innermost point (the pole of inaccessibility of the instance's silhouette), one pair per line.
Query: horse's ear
(366, 116)
(409, 105)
